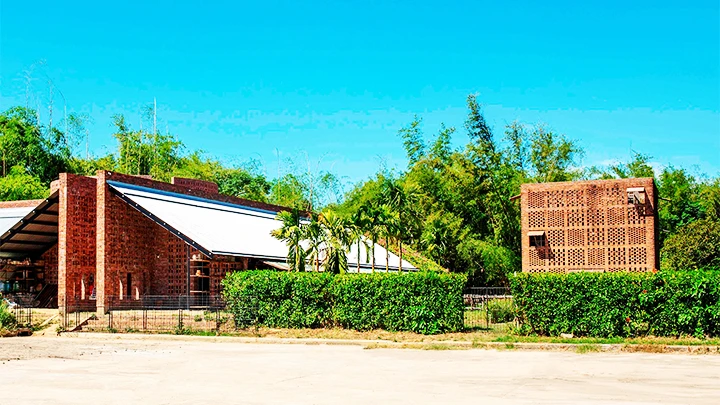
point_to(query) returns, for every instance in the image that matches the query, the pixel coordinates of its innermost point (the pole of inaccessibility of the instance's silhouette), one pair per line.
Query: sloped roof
(221, 228)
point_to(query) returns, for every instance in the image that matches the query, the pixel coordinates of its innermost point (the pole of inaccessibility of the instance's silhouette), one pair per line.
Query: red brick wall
(203, 186)
(129, 242)
(589, 225)
(76, 237)
(51, 265)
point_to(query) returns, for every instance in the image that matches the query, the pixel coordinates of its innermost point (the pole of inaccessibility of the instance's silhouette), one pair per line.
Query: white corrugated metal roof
(221, 228)
(11, 216)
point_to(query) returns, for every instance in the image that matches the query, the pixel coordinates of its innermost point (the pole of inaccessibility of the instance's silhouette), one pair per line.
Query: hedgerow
(426, 302)
(667, 303)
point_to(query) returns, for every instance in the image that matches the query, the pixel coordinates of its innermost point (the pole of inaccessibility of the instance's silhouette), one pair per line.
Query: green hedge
(426, 302)
(619, 304)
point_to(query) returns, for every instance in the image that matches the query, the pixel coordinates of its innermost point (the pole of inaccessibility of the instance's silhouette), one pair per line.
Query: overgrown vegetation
(426, 303)
(7, 318)
(667, 303)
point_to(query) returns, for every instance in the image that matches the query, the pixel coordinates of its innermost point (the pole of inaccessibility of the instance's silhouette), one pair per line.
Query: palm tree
(401, 202)
(357, 229)
(292, 234)
(313, 234)
(337, 240)
(373, 226)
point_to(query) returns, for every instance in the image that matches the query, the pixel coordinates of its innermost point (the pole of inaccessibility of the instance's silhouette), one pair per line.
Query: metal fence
(76, 312)
(486, 308)
(489, 308)
(155, 313)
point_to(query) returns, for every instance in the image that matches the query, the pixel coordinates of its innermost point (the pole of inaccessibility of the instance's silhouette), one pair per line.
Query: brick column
(100, 237)
(62, 240)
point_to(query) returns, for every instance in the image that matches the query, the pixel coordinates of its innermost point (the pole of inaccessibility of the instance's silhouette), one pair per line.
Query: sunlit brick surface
(589, 225)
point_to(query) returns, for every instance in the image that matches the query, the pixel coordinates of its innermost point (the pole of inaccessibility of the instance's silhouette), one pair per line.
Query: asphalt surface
(155, 370)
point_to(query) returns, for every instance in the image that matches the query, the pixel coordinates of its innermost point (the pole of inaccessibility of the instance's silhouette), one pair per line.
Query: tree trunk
(400, 248)
(373, 255)
(387, 253)
(358, 256)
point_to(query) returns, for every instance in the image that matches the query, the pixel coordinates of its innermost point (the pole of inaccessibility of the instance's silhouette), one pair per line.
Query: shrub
(501, 310)
(668, 303)
(279, 299)
(7, 319)
(426, 302)
(684, 303)
(694, 246)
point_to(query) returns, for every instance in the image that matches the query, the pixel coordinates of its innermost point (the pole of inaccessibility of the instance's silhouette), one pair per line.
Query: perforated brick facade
(589, 226)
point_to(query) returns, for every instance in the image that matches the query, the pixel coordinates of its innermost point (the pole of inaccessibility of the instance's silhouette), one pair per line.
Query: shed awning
(32, 233)
(11, 216)
(536, 233)
(219, 228)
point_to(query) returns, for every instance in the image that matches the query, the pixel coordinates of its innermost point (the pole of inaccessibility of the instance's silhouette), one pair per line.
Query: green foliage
(279, 299)
(501, 310)
(43, 152)
(420, 302)
(145, 153)
(695, 246)
(293, 234)
(7, 318)
(19, 185)
(425, 302)
(684, 303)
(454, 205)
(619, 304)
(683, 203)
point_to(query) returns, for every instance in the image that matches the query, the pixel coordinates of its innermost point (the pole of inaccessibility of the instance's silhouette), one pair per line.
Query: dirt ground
(117, 369)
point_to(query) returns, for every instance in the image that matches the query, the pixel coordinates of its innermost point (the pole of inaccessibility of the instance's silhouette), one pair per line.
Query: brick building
(600, 225)
(114, 236)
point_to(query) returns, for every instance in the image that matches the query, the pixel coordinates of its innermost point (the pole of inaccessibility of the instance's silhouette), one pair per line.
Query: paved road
(198, 371)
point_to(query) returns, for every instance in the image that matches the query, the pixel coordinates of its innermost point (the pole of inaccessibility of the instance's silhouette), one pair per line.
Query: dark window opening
(537, 240)
(128, 289)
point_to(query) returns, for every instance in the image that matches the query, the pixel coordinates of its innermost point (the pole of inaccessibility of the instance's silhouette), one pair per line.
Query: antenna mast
(154, 116)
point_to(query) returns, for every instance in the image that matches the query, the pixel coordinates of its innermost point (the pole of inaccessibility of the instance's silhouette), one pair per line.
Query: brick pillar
(102, 196)
(61, 185)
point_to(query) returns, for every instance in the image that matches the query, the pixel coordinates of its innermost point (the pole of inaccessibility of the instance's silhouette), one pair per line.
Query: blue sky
(336, 80)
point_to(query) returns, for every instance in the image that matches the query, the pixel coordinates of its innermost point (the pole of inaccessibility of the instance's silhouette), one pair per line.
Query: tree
(413, 141)
(336, 242)
(695, 246)
(19, 185)
(42, 152)
(144, 153)
(313, 233)
(292, 234)
(358, 225)
(681, 203)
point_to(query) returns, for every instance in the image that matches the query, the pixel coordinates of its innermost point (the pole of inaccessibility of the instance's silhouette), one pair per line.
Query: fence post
(144, 321)
(180, 323)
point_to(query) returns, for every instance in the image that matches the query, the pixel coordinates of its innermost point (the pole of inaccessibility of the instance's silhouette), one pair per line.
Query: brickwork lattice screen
(589, 225)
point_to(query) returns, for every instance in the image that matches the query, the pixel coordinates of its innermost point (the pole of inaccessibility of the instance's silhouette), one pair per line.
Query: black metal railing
(489, 308)
(158, 313)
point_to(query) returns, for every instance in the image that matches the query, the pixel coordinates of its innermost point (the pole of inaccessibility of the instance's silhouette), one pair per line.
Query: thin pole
(154, 116)
(187, 265)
